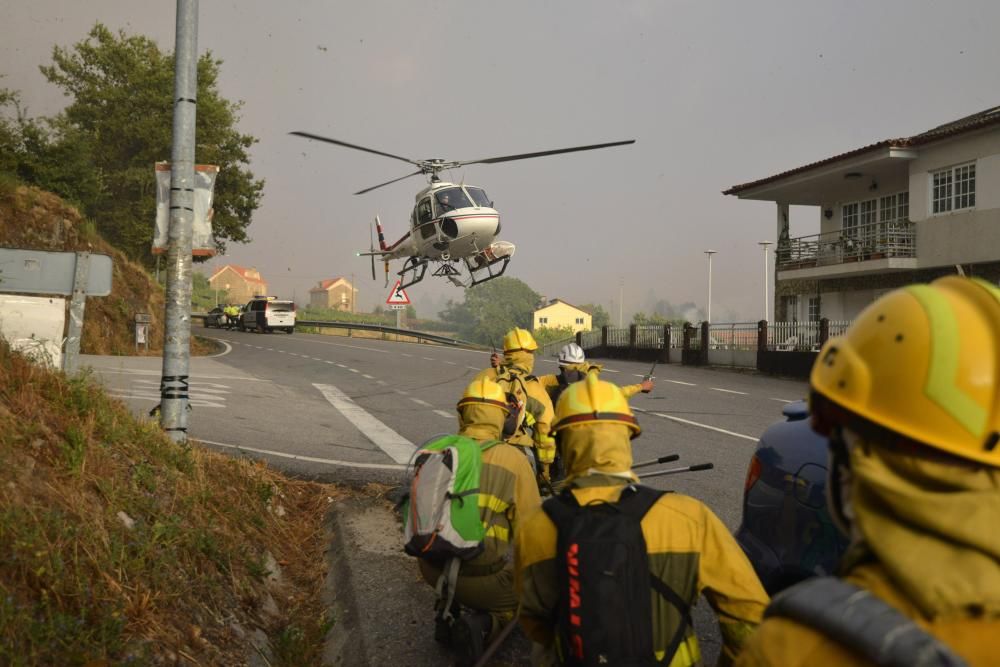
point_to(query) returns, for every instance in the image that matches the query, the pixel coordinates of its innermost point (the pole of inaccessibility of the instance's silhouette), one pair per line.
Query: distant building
(334, 293)
(558, 313)
(239, 282)
(895, 212)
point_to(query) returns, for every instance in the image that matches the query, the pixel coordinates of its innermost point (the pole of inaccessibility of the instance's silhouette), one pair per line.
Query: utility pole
(764, 244)
(709, 253)
(177, 329)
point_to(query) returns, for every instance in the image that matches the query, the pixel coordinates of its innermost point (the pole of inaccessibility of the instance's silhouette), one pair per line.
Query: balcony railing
(854, 244)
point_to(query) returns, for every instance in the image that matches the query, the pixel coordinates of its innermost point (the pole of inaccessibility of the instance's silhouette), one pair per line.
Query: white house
(892, 213)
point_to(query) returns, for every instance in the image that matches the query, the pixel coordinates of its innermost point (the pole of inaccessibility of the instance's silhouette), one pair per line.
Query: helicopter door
(424, 216)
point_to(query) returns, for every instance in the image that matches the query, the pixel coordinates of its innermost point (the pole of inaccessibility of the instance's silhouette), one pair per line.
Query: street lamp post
(709, 253)
(764, 244)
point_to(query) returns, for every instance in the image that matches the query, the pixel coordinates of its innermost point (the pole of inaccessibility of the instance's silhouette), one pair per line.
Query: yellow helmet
(517, 340)
(924, 362)
(486, 391)
(594, 401)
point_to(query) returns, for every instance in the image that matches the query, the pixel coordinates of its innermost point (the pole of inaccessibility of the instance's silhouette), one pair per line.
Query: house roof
(242, 271)
(970, 123)
(328, 283)
(553, 302)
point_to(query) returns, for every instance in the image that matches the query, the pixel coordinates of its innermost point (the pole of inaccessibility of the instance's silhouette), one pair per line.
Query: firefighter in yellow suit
(514, 375)
(507, 491)
(910, 398)
(690, 550)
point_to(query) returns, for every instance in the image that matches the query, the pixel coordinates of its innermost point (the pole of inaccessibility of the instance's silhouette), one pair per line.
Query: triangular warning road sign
(397, 297)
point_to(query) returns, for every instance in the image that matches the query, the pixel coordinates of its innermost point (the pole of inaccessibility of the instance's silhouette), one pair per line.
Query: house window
(869, 212)
(953, 189)
(543, 320)
(849, 217)
(814, 309)
(579, 320)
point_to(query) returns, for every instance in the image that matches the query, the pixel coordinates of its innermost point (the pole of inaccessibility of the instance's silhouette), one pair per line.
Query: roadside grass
(119, 546)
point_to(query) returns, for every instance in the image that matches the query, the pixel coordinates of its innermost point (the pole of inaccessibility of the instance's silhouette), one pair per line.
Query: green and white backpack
(441, 513)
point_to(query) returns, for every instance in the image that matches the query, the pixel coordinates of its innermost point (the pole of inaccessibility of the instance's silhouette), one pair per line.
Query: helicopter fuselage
(451, 222)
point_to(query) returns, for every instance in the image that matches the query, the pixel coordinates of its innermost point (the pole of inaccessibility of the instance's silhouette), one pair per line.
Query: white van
(264, 314)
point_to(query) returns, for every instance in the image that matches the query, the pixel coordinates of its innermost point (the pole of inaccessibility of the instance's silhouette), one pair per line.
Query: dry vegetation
(33, 219)
(118, 546)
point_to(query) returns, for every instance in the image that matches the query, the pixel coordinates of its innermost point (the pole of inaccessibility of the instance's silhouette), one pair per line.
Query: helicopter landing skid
(476, 269)
(412, 272)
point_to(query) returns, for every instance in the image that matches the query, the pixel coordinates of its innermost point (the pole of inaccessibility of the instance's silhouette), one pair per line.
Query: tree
(492, 309)
(599, 317)
(120, 122)
(546, 335)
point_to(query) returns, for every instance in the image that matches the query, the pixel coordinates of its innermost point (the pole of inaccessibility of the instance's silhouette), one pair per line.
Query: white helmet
(571, 354)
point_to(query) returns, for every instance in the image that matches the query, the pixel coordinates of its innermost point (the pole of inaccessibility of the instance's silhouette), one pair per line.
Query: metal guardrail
(552, 348)
(363, 326)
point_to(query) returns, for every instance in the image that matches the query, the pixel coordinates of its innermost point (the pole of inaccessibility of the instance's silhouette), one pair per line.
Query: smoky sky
(714, 93)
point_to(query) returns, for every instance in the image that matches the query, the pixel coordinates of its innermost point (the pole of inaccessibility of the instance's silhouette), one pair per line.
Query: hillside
(118, 546)
(37, 220)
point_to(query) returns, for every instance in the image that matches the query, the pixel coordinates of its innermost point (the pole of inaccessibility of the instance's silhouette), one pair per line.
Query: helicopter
(451, 223)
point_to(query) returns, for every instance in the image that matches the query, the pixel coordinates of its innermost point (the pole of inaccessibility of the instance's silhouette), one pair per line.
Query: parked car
(265, 314)
(215, 318)
(787, 532)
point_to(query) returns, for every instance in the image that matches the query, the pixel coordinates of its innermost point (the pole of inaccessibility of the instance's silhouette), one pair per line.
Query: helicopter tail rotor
(371, 247)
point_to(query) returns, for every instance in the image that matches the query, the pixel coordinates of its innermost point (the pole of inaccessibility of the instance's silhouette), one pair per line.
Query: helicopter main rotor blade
(309, 135)
(525, 156)
(361, 192)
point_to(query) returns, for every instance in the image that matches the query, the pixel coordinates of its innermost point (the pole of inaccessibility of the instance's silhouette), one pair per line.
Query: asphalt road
(329, 406)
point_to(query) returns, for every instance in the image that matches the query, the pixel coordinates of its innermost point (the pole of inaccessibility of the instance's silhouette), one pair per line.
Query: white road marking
(398, 448)
(473, 368)
(638, 375)
(428, 358)
(195, 402)
(686, 384)
(782, 400)
(451, 363)
(316, 359)
(341, 366)
(729, 391)
(229, 348)
(270, 349)
(354, 370)
(406, 355)
(311, 459)
(365, 375)
(402, 393)
(610, 370)
(445, 414)
(329, 362)
(381, 382)
(420, 402)
(136, 371)
(698, 424)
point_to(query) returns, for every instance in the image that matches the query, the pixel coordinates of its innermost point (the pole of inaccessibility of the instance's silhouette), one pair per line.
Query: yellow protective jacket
(507, 488)
(514, 376)
(926, 543)
(689, 549)
(551, 382)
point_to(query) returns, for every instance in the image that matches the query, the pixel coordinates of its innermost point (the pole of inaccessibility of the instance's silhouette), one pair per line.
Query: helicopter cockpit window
(448, 199)
(424, 211)
(479, 196)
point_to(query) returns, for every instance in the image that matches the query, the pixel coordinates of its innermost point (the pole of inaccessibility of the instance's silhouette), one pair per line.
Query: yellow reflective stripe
(492, 503)
(943, 367)
(499, 532)
(688, 653)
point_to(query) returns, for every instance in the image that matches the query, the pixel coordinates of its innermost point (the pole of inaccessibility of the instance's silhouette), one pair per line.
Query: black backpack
(604, 615)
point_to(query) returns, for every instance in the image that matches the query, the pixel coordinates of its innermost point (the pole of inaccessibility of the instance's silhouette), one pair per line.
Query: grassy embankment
(118, 546)
(36, 220)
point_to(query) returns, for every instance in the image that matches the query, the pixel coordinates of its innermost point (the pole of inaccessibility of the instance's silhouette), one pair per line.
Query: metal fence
(793, 336)
(649, 336)
(618, 337)
(838, 327)
(733, 336)
(590, 339)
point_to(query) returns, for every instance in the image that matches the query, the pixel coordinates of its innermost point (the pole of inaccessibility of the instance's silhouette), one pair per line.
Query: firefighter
(688, 549)
(910, 399)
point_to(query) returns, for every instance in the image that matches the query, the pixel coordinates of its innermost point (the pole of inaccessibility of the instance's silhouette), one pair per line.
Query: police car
(265, 314)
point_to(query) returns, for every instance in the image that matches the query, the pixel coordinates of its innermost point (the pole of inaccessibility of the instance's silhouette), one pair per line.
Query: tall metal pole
(764, 244)
(177, 333)
(709, 253)
(621, 300)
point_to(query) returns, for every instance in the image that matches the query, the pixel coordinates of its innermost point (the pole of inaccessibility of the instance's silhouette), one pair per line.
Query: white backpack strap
(855, 618)
(445, 588)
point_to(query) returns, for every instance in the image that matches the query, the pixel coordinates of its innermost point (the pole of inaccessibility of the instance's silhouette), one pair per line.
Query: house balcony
(875, 248)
